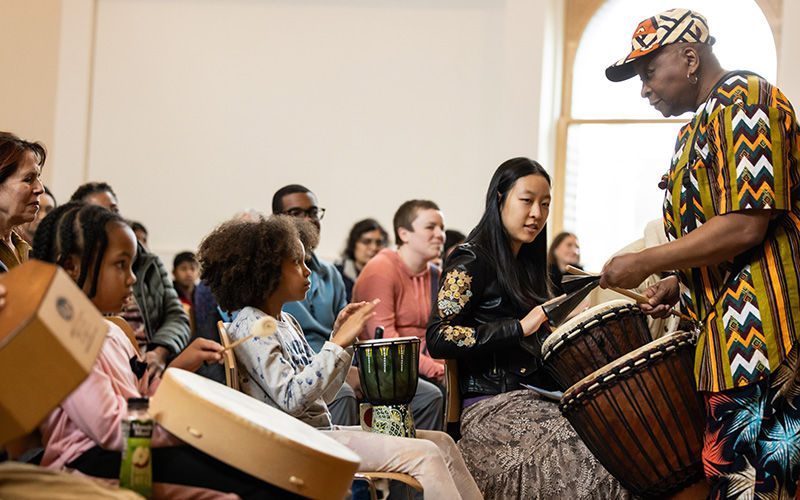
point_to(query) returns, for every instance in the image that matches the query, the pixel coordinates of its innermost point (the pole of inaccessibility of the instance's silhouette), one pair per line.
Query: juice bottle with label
(136, 470)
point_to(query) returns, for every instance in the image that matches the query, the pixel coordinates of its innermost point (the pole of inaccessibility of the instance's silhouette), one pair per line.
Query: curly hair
(76, 228)
(241, 261)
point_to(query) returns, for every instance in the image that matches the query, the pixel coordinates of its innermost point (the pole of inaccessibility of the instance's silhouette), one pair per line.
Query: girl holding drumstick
(489, 317)
(257, 274)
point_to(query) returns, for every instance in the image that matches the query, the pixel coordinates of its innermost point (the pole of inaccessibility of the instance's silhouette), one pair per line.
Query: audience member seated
(154, 311)
(264, 271)
(186, 271)
(564, 251)
(366, 239)
(405, 280)
(21, 164)
(83, 434)
(452, 239)
(47, 203)
(26, 481)
(317, 311)
(489, 318)
(141, 233)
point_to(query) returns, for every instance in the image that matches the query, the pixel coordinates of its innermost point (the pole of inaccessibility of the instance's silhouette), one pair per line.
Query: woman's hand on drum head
(350, 322)
(663, 296)
(534, 319)
(198, 352)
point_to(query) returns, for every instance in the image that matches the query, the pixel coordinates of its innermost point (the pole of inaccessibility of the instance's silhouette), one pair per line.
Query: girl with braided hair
(83, 435)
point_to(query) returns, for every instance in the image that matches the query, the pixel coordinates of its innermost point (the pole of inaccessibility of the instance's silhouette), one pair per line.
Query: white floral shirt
(283, 371)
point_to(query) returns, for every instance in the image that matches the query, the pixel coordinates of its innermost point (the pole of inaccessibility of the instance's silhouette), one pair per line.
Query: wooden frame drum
(253, 436)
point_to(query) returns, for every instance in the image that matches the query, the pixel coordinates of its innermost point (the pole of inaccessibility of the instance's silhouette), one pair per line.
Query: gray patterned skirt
(518, 447)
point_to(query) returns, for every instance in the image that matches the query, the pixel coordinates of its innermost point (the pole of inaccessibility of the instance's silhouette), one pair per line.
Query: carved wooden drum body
(642, 417)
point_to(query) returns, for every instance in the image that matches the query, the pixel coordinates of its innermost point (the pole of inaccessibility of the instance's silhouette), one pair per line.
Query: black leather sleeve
(465, 321)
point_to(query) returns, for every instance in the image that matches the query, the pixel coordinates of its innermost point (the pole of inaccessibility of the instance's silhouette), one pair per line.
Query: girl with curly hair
(259, 273)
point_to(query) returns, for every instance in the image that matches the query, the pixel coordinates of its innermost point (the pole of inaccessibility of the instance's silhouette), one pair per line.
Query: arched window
(613, 147)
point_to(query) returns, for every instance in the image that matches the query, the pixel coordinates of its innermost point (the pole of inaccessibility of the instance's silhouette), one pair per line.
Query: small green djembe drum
(389, 371)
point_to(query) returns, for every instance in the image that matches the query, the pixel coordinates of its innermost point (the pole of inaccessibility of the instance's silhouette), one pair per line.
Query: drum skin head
(581, 318)
(253, 436)
(593, 339)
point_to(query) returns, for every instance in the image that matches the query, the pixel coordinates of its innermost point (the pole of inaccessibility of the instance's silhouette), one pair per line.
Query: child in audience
(96, 248)
(185, 272)
(257, 275)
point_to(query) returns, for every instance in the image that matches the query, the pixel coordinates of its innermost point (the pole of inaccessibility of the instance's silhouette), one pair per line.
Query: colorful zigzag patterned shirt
(740, 151)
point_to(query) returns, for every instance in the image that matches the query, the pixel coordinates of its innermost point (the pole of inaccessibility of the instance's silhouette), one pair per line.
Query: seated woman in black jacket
(489, 318)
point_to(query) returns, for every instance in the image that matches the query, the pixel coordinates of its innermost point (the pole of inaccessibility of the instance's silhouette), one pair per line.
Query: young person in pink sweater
(405, 280)
(83, 434)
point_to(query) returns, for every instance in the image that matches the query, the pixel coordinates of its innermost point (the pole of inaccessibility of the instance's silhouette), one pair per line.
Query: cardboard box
(50, 336)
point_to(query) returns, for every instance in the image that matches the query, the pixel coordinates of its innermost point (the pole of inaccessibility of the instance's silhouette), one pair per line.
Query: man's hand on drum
(663, 296)
(350, 322)
(624, 271)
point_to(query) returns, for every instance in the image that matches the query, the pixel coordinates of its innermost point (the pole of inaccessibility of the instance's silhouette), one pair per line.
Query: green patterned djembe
(389, 371)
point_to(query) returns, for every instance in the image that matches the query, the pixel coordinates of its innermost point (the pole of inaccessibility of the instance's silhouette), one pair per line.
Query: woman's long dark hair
(524, 278)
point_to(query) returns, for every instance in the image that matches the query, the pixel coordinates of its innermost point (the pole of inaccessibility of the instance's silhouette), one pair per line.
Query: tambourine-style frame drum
(253, 437)
(593, 339)
(389, 369)
(643, 418)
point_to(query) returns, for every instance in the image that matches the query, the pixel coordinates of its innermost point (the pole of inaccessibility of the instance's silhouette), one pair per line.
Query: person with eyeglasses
(366, 239)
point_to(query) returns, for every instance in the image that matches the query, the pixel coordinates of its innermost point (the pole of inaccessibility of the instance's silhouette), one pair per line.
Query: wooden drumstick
(639, 298)
(264, 327)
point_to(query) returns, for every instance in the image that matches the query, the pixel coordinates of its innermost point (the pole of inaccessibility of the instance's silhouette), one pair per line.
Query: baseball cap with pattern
(672, 26)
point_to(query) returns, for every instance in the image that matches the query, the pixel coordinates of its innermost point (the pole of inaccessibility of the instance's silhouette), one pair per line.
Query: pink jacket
(405, 303)
(92, 415)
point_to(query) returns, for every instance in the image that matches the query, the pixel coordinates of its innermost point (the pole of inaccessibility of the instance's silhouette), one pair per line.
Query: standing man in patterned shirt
(732, 217)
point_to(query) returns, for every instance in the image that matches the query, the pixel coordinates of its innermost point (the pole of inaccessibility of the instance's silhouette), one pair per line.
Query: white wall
(203, 107)
(194, 109)
(788, 69)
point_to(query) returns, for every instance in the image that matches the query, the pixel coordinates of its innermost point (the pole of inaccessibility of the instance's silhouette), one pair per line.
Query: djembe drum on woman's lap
(389, 371)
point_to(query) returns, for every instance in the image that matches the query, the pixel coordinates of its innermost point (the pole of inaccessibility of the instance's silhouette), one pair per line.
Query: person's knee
(428, 450)
(441, 439)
